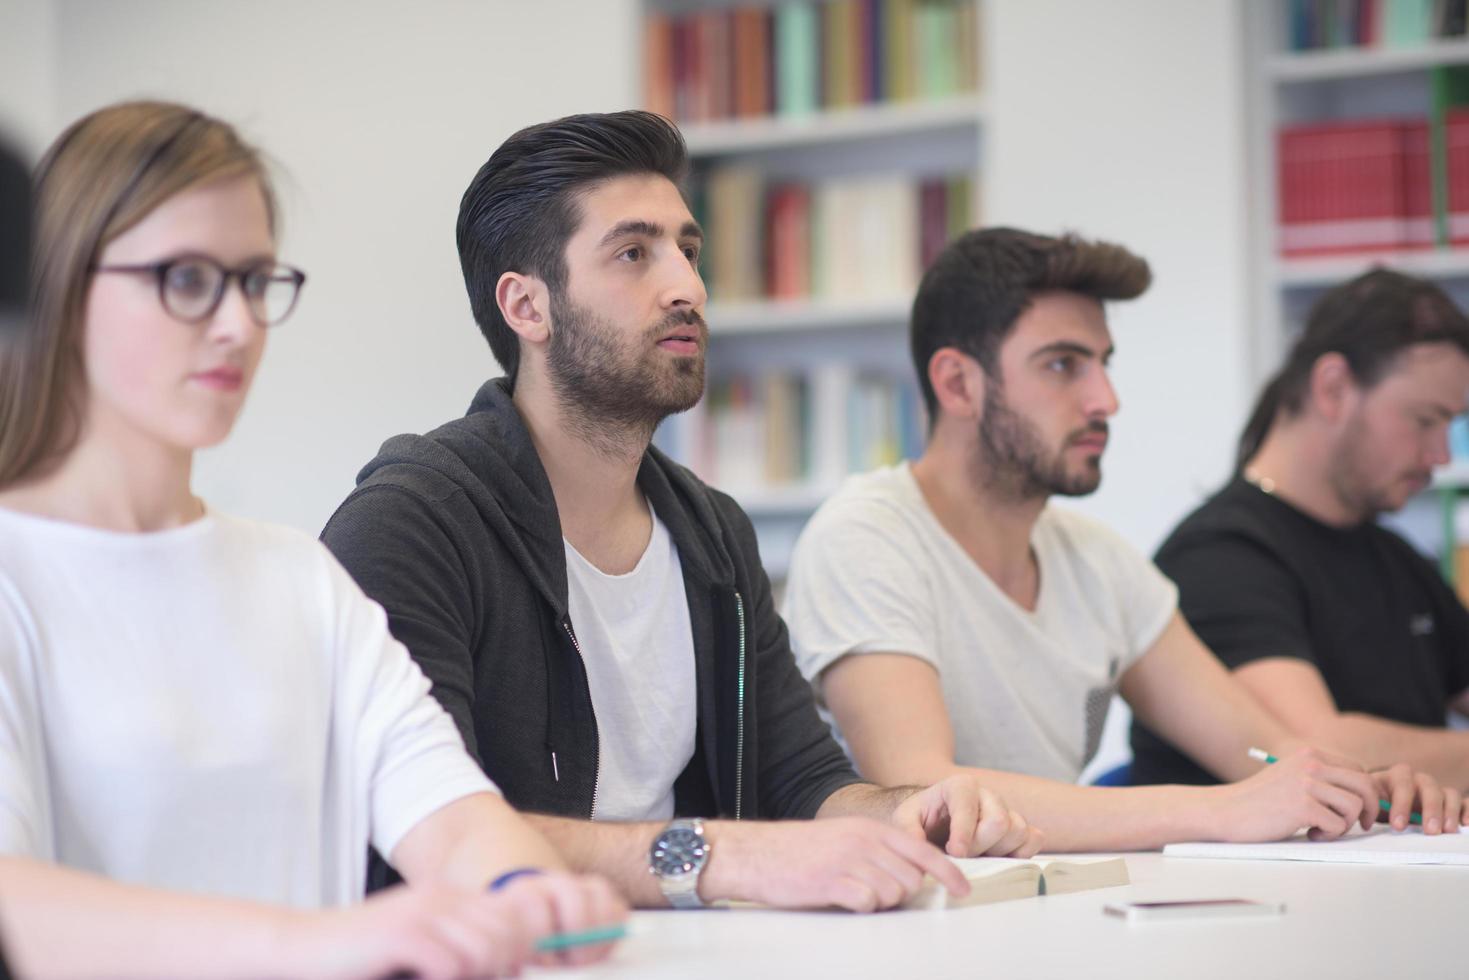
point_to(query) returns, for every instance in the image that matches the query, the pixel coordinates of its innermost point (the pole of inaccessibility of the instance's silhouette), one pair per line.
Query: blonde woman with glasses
(203, 722)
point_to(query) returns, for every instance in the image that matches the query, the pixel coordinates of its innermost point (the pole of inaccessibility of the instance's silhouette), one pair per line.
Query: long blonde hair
(102, 176)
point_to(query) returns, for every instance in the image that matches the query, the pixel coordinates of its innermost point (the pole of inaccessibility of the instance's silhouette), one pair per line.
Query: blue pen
(1266, 757)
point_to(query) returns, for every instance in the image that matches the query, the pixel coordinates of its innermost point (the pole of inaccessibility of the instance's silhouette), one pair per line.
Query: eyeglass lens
(193, 288)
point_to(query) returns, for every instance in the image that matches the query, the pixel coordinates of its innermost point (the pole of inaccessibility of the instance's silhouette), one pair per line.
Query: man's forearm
(865, 800)
(1378, 743)
(1098, 818)
(617, 851)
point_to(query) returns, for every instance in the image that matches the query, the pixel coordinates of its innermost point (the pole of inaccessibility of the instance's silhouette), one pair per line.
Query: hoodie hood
(489, 456)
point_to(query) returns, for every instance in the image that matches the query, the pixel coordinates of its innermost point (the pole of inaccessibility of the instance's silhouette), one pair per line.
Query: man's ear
(958, 383)
(525, 303)
(1333, 389)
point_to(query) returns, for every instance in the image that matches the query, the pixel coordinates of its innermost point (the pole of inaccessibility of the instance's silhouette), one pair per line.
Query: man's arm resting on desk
(891, 710)
(1182, 691)
(1295, 692)
(851, 863)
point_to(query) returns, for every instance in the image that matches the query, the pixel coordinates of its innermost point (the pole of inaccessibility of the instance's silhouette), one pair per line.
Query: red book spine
(1456, 138)
(658, 65)
(1344, 187)
(775, 246)
(1417, 185)
(800, 221)
(683, 107)
(933, 220)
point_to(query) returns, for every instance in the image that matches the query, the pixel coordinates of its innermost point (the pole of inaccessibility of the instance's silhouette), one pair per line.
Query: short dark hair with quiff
(522, 206)
(981, 283)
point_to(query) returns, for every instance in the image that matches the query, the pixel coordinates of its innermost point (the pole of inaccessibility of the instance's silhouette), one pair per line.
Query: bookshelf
(854, 125)
(808, 360)
(1355, 62)
(1405, 71)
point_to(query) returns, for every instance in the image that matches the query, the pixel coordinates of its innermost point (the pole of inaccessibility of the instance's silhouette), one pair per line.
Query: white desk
(1341, 922)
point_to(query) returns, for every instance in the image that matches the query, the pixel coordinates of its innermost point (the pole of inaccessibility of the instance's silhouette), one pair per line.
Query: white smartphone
(1193, 909)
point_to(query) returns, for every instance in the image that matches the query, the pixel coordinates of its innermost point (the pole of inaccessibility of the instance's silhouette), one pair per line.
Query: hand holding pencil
(1439, 808)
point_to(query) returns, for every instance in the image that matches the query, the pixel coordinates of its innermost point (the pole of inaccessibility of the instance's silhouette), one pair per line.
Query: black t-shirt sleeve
(1241, 600)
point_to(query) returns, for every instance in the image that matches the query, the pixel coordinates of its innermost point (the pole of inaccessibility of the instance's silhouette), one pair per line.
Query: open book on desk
(1001, 879)
(1380, 845)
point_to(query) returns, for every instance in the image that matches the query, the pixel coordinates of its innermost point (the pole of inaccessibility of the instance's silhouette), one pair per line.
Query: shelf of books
(1362, 149)
(836, 148)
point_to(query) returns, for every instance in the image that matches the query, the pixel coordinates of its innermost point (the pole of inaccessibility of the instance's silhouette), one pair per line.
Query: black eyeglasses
(191, 287)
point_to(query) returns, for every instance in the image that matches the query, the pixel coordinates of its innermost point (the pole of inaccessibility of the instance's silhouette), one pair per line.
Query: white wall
(1121, 120)
(27, 71)
(378, 112)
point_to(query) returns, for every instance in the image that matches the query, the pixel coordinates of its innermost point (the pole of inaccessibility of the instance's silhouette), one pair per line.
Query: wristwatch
(677, 858)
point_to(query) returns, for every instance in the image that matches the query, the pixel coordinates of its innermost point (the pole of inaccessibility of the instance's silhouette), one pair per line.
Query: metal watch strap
(682, 891)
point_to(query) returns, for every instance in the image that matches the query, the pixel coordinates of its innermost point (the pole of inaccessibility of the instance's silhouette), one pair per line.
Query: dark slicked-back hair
(1369, 321)
(522, 206)
(980, 284)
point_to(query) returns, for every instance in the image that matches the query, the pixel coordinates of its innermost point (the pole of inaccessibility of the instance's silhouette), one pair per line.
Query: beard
(1355, 478)
(610, 390)
(1014, 459)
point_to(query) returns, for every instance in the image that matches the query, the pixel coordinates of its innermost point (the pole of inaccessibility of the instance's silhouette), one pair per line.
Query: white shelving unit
(1292, 87)
(789, 316)
(860, 124)
(1308, 66)
(1325, 272)
(921, 138)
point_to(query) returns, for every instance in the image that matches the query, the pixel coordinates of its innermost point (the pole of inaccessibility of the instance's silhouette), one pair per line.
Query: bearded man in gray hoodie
(595, 618)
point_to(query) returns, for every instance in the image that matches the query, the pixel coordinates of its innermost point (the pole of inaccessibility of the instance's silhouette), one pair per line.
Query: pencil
(1266, 757)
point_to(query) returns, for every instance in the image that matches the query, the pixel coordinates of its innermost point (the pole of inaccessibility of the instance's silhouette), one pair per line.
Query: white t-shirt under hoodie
(637, 643)
(215, 708)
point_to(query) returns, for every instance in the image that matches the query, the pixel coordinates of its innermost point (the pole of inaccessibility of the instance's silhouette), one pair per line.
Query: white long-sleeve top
(216, 708)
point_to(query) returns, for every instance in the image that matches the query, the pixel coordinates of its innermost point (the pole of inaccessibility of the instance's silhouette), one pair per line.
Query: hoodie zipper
(740, 718)
(597, 776)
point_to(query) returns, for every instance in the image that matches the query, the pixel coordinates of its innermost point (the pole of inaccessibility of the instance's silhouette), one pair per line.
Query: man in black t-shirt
(1335, 623)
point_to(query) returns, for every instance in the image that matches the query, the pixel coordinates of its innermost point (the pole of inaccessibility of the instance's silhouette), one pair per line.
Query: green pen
(571, 940)
(1266, 757)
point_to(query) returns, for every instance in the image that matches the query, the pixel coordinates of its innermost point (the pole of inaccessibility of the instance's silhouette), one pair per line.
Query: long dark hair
(1369, 321)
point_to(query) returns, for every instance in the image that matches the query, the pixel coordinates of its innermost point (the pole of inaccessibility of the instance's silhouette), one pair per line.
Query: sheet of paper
(1380, 845)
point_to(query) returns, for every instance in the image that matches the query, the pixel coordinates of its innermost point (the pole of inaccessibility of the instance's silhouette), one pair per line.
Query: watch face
(678, 851)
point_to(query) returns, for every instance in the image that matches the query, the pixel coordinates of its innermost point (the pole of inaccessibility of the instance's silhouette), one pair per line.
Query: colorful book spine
(786, 428)
(843, 238)
(797, 59)
(800, 56)
(1315, 25)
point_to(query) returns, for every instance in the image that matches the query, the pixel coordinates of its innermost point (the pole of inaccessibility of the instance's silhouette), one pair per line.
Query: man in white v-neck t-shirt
(638, 647)
(1027, 689)
(952, 620)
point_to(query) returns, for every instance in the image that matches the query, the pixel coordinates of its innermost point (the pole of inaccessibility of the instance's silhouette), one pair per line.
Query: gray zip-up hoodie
(456, 534)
